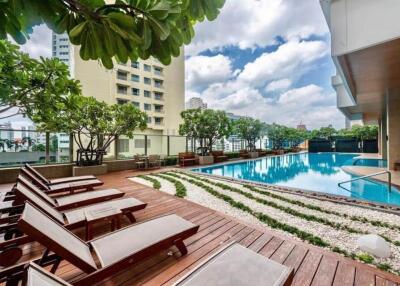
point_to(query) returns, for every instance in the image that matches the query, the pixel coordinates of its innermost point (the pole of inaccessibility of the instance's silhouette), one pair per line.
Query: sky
(268, 59)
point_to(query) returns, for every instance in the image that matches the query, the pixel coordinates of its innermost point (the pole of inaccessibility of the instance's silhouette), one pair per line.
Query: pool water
(319, 172)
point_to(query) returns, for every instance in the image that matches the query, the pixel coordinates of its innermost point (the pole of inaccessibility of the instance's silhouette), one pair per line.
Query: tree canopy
(279, 134)
(207, 126)
(250, 130)
(356, 131)
(32, 87)
(106, 29)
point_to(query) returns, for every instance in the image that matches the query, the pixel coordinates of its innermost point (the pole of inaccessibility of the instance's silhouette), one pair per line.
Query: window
(158, 71)
(121, 101)
(135, 91)
(122, 75)
(147, 68)
(147, 80)
(158, 95)
(122, 89)
(147, 93)
(148, 119)
(135, 65)
(123, 145)
(158, 108)
(139, 143)
(63, 46)
(135, 78)
(158, 83)
(63, 53)
(63, 40)
(158, 120)
(147, 106)
(136, 104)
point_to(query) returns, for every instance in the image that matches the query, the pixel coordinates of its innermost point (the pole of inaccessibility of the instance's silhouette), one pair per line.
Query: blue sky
(269, 59)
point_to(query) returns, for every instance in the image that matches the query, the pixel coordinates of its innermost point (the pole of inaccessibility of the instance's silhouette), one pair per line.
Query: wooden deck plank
(313, 266)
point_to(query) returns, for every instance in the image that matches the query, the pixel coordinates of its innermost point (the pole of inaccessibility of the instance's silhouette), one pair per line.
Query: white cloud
(278, 85)
(39, 43)
(257, 23)
(290, 57)
(201, 71)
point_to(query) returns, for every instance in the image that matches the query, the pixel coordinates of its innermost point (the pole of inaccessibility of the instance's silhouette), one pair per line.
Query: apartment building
(365, 49)
(195, 103)
(149, 85)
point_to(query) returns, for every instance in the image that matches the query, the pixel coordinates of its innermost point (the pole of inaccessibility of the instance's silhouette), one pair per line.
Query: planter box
(89, 170)
(253, 155)
(206, 160)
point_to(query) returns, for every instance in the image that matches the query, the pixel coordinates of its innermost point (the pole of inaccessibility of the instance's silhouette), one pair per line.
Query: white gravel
(340, 238)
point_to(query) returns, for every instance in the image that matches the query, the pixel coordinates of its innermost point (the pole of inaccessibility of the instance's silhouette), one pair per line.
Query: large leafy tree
(106, 29)
(250, 130)
(95, 125)
(32, 87)
(207, 126)
(279, 134)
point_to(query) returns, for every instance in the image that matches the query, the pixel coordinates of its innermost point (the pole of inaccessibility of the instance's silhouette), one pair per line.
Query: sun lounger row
(49, 220)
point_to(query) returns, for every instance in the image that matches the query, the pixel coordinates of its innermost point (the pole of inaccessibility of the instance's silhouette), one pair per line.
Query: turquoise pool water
(319, 172)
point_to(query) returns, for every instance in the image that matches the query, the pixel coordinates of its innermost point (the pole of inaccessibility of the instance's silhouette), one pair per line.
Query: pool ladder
(368, 176)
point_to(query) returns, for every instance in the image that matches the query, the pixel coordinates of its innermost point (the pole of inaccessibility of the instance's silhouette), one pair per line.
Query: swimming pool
(320, 172)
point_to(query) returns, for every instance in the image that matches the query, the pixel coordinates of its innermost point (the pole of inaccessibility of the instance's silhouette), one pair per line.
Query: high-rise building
(154, 88)
(301, 126)
(195, 103)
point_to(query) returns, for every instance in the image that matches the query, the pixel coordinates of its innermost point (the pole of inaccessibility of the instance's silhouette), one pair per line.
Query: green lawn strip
(273, 223)
(285, 209)
(320, 209)
(180, 189)
(156, 183)
(288, 210)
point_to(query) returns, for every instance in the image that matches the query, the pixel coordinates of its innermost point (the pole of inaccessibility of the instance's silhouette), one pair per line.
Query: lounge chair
(34, 275)
(115, 251)
(219, 156)
(69, 201)
(244, 154)
(70, 219)
(155, 161)
(239, 266)
(58, 180)
(70, 187)
(187, 159)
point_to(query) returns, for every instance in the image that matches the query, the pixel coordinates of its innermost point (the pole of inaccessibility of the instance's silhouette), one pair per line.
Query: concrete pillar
(383, 136)
(380, 137)
(393, 128)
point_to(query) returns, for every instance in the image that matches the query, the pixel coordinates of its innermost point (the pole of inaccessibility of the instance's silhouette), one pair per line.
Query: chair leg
(181, 246)
(131, 217)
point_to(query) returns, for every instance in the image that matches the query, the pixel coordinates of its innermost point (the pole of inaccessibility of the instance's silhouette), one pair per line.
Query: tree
(38, 148)
(123, 29)
(94, 124)
(32, 87)
(250, 130)
(207, 126)
(324, 133)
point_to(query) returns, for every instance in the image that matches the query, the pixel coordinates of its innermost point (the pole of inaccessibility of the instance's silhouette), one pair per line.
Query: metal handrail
(368, 176)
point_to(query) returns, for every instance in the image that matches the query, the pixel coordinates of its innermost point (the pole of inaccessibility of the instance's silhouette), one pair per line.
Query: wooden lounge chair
(58, 180)
(66, 202)
(187, 159)
(244, 154)
(70, 187)
(155, 161)
(115, 251)
(239, 266)
(219, 156)
(34, 275)
(70, 219)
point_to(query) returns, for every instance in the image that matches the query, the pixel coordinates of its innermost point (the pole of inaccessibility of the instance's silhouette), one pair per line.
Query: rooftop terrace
(313, 266)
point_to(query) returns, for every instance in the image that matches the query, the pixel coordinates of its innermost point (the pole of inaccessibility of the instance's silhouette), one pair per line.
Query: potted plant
(250, 130)
(94, 125)
(206, 126)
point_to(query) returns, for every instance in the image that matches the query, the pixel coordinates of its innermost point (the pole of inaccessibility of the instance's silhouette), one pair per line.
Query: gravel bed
(340, 238)
(390, 233)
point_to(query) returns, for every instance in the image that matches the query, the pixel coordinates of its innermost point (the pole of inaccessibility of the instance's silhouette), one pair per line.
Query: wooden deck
(313, 266)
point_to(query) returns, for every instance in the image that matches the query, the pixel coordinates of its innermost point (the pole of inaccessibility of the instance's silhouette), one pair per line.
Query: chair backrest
(186, 155)
(56, 238)
(37, 276)
(217, 153)
(153, 158)
(24, 181)
(38, 201)
(38, 175)
(32, 176)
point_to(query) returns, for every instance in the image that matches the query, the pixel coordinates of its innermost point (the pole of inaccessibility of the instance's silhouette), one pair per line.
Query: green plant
(171, 161)
(248, 129)
(365, 257)
(32, 87)
(156, 183)
(232, 155)
(106, 29)
(180, 189)
(94, 124)
(207, 126)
